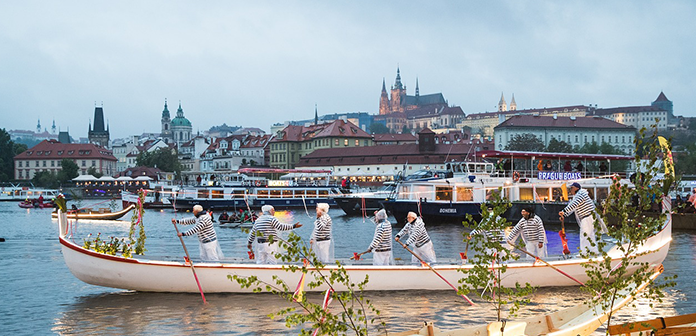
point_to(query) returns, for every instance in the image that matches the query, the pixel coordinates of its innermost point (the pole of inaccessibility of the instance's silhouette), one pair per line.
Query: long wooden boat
(578, 320)
(673, 325)
(175, 276)
(92, 215)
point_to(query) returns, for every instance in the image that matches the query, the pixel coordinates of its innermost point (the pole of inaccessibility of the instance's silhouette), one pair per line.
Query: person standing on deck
(415, 228)
(533, 234)
(321, 236)
(209, 245)
(264, 230)
(584, 209)
(381, 243)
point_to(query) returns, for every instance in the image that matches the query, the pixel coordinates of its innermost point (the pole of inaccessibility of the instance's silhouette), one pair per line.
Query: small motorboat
(42, 205)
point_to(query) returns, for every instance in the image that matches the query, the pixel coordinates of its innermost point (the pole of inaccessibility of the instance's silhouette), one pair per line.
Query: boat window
(299, 193)
(421, 191)
(202, 193)
(443, 193)
(490, 193)
(602, 194)
(274, 193)
(465, 194)
(217, 194)
(237, 193)
(263, 193)
(558, 195)
(323, 192)
(311, 194)
(526, 194)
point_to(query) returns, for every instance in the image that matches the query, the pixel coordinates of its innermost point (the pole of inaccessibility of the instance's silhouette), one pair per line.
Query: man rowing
(584, 209)
(207, 239)
(321, 236)
(264, 232)
(415, 228)
(381, 245)
(531, 228)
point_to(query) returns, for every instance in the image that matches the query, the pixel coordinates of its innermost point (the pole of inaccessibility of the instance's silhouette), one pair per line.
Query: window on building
(357, 142)
(94, 163)
(19, 163)
(53, 163)
(336, 142)
(44, 163)
(37, 163)
(84, 163)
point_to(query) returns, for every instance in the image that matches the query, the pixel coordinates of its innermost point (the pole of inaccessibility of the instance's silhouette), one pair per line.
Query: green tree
(556, 146)
(628, 210)
(405, 130)
(69, 170)
(378, 128)
(685, 161)
(525, 142)
(8, 150)
(93, 171)
(588, 148)
(45, 179)
(491, 260)
(162, 158)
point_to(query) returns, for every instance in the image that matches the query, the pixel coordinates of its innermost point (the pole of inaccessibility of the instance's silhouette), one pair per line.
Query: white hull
(166, 276)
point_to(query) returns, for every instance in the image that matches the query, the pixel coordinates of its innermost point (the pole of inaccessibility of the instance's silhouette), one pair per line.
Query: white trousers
(587, 227)
(533, 248)
(425, 252)
(266, 253)
(381, 258)
(322, 250)
(210, 251)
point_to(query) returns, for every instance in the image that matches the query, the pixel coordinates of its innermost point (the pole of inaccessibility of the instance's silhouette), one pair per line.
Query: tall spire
(397, 83)
(316, 115)
(502, 105)
(417, 90)
(180, 111)
(513, 105)
(165, 112)
(99, 119)
(384, 86)
(38, 125)
(53, 128)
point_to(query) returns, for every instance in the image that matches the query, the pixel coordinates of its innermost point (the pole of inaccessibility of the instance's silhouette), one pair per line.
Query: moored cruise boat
(23, 193)
(156, 198)
(473, 183)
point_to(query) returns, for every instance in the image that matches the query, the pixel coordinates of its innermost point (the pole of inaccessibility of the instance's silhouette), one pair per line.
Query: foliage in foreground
(491, 259)
(355, 314)
(115, 245)
(633, 216)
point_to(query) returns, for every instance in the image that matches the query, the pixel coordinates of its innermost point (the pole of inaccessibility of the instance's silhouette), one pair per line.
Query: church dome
(181, 121)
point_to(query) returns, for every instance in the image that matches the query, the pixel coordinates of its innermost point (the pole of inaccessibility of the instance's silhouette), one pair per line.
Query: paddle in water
(434, 271)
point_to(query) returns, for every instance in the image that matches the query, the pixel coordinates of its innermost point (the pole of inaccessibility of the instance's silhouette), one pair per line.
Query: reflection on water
(40, 296)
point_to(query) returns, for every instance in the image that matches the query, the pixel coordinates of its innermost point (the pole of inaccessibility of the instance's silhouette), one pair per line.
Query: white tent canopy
(85, 178)
(143, 178)
(124, 178)
(106, 178)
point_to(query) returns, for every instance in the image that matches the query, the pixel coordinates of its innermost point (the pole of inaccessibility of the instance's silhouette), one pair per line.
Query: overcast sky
(255, 63)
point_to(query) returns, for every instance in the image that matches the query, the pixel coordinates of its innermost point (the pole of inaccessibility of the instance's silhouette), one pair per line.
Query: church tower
(53, 128)
(99, 134)
(513, 105)
(166, 124)
(38, 126)
(384, 100)
(502, 105)
(398, 93)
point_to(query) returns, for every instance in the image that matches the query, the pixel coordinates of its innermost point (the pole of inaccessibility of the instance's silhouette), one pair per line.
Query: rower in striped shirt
(265, 227)
(209, 245)
(584, 209)
(531, 228)
(321, 236)
(381, 243)
(415, 228)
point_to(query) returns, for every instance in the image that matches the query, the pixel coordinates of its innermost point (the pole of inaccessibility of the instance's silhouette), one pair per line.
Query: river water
(41, 296)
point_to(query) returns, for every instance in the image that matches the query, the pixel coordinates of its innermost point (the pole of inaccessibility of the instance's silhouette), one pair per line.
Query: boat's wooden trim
(662, 323)
(92, 215)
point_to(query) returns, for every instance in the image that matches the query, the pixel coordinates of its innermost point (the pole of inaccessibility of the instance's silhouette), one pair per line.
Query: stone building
(48, 156)
(99, 134)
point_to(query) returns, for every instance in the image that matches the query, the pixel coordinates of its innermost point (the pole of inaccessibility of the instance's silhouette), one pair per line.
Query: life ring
(515, 176)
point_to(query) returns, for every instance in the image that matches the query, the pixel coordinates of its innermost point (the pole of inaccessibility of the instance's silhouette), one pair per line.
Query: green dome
(181, 121)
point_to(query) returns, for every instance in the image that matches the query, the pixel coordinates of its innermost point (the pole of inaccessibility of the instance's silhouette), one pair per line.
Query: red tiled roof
(335, 128)
(52, 150)
(561, 122)
(395, 137)
(626, 109)
(662, 97)
(388, 154)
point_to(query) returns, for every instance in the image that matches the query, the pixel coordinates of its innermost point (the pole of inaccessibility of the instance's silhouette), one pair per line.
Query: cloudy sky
(255, 63)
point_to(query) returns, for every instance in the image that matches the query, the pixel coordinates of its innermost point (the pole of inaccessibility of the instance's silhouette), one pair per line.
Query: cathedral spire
(502, 105)
(38, 125)
(513, 104)
(165, 112)
(397, 83)
(384, 86)
(53, 128)
(417, 90)
(316, 115)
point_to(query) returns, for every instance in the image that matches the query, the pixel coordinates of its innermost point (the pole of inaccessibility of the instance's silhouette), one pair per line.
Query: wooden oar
(193, 269)
(552, 266)
(434, 271)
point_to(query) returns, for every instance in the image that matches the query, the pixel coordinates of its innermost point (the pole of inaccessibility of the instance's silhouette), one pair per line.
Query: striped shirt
(581, 204)
(383, 236)
(265, 227)
(322, 228)
(532, 229)
(416, 233)
(495, 235)
(204, 227)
